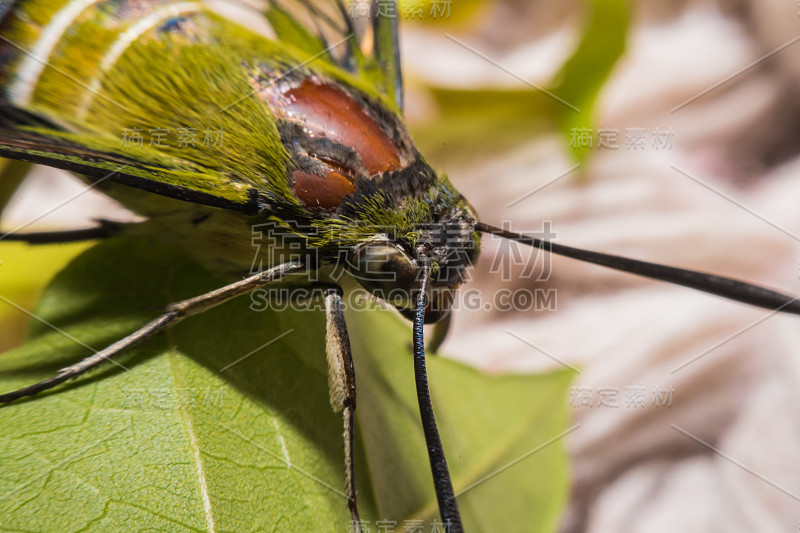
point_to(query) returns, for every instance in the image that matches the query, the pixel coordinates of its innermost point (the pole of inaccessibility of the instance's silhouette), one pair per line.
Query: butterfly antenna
(719, 285)
(441, 475)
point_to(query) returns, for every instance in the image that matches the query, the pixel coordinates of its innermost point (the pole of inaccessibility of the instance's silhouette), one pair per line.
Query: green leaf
(209, 427)
(478, 123)
(503, 118)
(583, 75)
(24, 270)
(441, 12)
(11, 175)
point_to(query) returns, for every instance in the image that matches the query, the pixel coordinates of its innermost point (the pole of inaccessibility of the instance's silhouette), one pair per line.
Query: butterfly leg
(342, 383)
(174, 314)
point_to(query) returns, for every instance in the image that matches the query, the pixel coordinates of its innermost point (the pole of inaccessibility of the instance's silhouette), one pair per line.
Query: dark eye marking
(331, 153)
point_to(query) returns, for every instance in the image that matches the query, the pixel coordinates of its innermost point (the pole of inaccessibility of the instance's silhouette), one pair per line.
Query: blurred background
(687, 404)
(662, 130)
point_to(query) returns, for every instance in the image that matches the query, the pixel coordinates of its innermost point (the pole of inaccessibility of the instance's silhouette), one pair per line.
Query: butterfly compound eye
(383, 266)
(387, 271)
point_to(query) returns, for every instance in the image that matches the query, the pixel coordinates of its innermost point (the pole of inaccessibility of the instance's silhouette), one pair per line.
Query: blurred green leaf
(24, 270)
(197, 432)
(474, 123)
(12, 172)
(479, 122)
(583, 75)
(440, 12)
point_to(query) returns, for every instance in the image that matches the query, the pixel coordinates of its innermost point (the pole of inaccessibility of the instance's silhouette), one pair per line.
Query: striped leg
(342, 383)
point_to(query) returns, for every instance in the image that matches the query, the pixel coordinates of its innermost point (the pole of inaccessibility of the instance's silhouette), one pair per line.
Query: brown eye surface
(329, 112)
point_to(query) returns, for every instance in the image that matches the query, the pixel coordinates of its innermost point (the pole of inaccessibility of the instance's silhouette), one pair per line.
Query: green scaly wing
(179, 180)
(365, 46)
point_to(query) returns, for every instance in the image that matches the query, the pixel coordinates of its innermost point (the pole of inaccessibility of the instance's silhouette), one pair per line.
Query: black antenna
(721, 286)
(441, 475)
